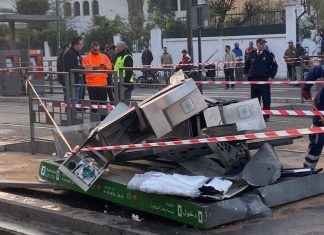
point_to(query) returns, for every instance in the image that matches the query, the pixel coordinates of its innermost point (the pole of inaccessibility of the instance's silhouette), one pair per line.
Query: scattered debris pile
(205, 171)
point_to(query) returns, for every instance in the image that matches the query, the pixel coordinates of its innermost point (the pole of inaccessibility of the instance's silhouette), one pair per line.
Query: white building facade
(81, 12)
(7, 6)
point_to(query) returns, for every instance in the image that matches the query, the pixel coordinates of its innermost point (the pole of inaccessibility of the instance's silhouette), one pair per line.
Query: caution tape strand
(252, 136)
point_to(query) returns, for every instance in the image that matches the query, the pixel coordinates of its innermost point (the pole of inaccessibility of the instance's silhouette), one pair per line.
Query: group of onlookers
(99, 84)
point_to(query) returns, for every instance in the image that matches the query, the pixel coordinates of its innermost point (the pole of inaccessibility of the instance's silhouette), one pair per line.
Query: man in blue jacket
(316, 140)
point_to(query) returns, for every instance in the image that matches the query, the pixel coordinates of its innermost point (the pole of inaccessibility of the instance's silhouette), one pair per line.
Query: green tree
(136, 15)
(32, 7)
(220, 8)
(37, 38)
(316, 8)
(161, 13)
(104, 29)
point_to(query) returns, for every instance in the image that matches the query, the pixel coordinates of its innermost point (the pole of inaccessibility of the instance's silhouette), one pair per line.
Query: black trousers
(291, 72)
(110, 91)
(98, 94)
(262, 92)
(229, 76)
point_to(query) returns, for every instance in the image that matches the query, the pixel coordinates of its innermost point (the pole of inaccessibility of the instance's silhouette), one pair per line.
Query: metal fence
(235, 19)
(236, 23)
(65, 108)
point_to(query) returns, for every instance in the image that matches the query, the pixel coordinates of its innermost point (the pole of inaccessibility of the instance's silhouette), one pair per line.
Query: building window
(95, 7)
(67, 9)
(86, 8)
(183, 3)
(77, 11)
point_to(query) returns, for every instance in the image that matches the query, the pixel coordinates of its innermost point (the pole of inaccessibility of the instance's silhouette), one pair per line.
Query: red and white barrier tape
(92, 106)
(259, 82)
(215, 62)
(283, 112)
(279, 112)
(252, 136)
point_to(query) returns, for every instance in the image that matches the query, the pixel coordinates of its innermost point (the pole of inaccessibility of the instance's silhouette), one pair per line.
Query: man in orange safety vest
(96, 82)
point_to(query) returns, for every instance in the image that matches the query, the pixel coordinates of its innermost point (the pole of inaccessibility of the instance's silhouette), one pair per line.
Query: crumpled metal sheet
(203, 166)
(292, 190)
(238, 208)
(264, 167)
(235, 189)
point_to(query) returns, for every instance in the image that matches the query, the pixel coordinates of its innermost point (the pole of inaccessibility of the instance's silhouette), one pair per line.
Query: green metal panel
(178, 209)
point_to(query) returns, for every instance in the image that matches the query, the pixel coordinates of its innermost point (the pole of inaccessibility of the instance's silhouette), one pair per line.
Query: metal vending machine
(11, 83)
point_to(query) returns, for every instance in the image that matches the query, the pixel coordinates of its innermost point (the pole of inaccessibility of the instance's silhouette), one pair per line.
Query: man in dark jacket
(124, 59)
(110, 51)
(261, 65)
(73, 60)
(316, 141)
(147, 56)
(60, 64)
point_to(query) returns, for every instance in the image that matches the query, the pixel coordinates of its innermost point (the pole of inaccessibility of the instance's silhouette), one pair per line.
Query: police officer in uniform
(261, 65)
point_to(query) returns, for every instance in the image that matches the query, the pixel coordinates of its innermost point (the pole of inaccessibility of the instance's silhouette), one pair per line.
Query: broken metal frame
(203, 215)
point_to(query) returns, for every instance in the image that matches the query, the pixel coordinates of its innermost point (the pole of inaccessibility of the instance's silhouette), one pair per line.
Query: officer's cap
(261, 40)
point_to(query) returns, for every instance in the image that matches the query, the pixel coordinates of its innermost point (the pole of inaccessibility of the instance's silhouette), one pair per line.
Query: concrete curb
(45, 147)
(74, 219)
(14, 99)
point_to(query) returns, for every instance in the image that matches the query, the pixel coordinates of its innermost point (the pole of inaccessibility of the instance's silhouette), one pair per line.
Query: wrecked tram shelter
(204, 185)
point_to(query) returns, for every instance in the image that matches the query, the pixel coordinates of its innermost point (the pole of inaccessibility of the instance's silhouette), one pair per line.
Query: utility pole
(200, 25)
(58, 33)
(189, 30)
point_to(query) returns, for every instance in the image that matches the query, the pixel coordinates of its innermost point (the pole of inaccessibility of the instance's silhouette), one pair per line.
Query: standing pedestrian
(112, 56)
(300, 53)
(60, 67)
(166, 62)
(147, 56)
(110, 51)
(249, 49)
(238, 52)
(319, 40)
(291, 58)
(316, 141)
(229, 66)
(261, 65)
(124, 59)
(73, 60)
(96, 82)
(185, 63)
(239, 61)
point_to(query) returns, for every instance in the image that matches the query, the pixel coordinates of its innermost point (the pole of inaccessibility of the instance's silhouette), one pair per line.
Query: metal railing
(69, 114)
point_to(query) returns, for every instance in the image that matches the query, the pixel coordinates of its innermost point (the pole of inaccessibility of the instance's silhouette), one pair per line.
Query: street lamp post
(58, 33)
(189, 29)
(199, 19)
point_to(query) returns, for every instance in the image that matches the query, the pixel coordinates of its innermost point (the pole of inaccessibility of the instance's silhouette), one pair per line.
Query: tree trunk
(136, 14)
